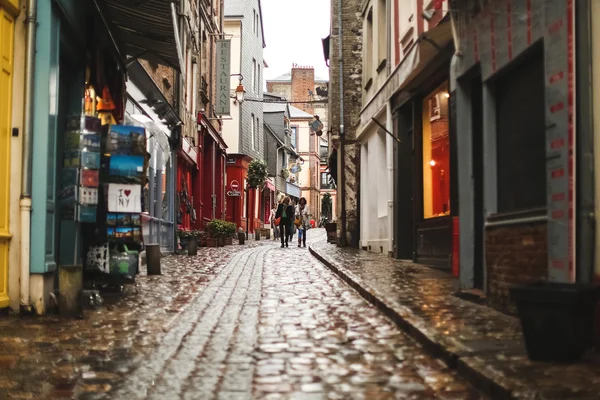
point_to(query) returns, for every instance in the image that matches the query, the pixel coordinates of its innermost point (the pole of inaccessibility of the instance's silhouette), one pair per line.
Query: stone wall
(515, 254)
(163, 77)
(352, 79)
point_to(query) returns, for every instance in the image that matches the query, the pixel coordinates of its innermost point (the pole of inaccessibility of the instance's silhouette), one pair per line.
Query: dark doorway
(403, 128)
(476, 89)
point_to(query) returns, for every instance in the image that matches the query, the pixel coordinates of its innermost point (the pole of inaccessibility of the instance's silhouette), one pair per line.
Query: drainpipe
(389, 150)
(595, 81)
(25, 201)
(343, 240)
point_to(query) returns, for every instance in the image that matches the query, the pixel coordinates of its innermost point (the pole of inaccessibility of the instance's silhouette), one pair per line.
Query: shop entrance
(404, 157)
(6, 67)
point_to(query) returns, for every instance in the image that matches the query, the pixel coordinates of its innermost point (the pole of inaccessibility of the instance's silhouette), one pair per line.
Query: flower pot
(221, 242)
(192, 247)
(241, 237)
(557, 319)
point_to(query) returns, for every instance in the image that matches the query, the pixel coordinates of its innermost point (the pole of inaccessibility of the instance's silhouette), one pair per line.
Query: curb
(473, 374)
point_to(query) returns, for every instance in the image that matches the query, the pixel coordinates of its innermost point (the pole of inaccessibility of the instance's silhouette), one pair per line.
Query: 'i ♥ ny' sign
(124, 198)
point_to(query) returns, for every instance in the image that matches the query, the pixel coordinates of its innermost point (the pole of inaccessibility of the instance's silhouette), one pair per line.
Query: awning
(144, 91)
(157, 141)
(423, 52)
(143, 28)
(269, 185)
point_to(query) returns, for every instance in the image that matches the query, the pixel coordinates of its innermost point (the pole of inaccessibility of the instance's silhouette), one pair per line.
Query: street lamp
(240, 91)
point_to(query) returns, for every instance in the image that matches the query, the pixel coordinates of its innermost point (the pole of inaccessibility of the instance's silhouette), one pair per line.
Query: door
(6, 64)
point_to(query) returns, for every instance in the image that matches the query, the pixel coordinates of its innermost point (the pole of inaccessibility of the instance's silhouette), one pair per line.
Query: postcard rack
(115, 252)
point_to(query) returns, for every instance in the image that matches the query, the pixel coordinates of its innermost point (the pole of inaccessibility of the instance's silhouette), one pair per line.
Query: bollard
(70, 288)
(192, 247)
(241, 237)
(257, 235)
(153, 259)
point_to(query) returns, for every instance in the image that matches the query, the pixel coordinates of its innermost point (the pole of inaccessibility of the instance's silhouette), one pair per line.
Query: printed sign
(124, 198)
(222, 105)
(234, 185)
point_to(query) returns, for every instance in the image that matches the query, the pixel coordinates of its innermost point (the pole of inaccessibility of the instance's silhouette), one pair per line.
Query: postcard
(126, 140)
(111, 219)
(90, 178)
(90, 159)
(88, 195)
(111, 233)
(72, 140)
(83, 123)
(70, 177)
(68, 194)
(90, 142)
(136, 220)
(124, 198)
(124, 233)
(87, 214)
(71, 158)
(68, 211)
(126, 169)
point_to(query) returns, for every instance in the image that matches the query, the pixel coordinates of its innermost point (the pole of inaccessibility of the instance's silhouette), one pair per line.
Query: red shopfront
(187, 158)
(238, 209)
(210, 176)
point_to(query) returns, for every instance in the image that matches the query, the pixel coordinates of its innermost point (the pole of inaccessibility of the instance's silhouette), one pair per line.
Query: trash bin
(557, 319)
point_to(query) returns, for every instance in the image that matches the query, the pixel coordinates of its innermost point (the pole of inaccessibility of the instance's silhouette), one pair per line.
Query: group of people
(285, 217)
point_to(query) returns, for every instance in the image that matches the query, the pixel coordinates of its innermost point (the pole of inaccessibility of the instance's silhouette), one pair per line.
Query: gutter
(26, 177)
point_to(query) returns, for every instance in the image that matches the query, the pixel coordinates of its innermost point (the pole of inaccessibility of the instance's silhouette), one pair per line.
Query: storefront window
(436, 154)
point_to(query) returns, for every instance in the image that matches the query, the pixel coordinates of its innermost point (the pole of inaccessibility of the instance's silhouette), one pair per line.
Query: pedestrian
(302, 221)
(286, 212)
(273, 226)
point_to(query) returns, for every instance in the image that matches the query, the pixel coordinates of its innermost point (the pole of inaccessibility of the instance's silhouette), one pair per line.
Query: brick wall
(352, 78)
(514, 254)
(303, 80)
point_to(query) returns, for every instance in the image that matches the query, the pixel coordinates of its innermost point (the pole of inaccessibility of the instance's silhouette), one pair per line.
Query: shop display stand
(113, 257)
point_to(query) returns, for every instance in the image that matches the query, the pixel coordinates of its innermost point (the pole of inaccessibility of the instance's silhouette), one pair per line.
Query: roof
(274, 107)
(298, 113)
(287, 77)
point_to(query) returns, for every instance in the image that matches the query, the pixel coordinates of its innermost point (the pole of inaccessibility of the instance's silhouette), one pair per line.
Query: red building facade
(243, 207)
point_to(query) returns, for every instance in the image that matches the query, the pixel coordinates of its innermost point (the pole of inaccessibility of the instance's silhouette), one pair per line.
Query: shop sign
(234, 193)
(187, 148)
(231, 161)
(223, 77)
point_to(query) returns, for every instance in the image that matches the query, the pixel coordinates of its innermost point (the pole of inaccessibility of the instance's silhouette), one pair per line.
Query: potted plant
(285, 173)
(257, 174)
(219, 230)
(192, 245)
(557, 319)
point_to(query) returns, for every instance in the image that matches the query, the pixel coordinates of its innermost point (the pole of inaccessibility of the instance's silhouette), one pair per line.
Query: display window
(436, 154)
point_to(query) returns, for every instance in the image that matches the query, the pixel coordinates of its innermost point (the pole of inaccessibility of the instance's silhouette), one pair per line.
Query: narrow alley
(245, 322)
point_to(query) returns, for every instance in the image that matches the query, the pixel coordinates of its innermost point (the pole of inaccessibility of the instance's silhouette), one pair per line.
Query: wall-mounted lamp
(240, 91)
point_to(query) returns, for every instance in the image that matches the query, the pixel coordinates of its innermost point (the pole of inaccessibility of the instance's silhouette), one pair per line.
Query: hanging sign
(223, 77)
(124, 198)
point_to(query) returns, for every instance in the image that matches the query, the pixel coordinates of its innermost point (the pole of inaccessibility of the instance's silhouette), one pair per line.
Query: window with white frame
(253, 132)
(254, 19)
(368, 47)
(253, 74)
(257, 135)
(381, 33)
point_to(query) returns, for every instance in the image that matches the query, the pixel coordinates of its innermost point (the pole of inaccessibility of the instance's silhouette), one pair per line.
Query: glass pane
(436, 154)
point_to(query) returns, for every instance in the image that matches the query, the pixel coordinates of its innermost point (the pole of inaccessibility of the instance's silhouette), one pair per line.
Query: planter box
(557, 319)
(211, 242)
(228, 241)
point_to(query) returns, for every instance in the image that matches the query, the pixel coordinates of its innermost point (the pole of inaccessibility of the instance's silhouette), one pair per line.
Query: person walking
(286, 212)
(303, 221)
(273, 226)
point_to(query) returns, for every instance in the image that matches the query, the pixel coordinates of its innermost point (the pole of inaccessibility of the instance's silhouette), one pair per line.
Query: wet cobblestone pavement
(240, 322)
(484, 344)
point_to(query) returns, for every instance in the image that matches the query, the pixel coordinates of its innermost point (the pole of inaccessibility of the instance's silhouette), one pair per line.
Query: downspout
(343, 239)
(595, 82)
(25, 201)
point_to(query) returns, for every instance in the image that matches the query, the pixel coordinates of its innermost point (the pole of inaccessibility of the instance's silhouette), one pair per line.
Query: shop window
(436, 154)
(521, 136)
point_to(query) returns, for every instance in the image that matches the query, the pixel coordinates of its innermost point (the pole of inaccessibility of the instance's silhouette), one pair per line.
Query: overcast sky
(293, 33)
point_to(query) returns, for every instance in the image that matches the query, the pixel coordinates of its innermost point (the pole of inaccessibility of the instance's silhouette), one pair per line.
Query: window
(436, 154)
(257, 135)
(381, 31)
(521, 136)
(254, 19)
(258, 81)
(256, 24)
(327, 181)
(253, 74)
(294, 134)
(253, 132)
(368, 45)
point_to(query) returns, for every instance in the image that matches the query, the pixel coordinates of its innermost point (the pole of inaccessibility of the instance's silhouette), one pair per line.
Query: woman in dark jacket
(285, 211)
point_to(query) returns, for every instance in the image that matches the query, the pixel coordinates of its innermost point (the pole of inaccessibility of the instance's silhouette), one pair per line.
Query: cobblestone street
(240, 322)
